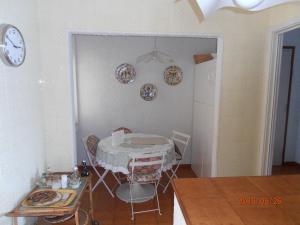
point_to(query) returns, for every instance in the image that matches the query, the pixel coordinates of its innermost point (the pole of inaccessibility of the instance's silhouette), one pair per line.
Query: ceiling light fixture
(208, 7)
(155, 55)
(247, 4)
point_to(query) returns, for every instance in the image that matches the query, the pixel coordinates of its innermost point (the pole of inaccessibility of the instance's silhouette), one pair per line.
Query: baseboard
(186, 166)
(291, 164)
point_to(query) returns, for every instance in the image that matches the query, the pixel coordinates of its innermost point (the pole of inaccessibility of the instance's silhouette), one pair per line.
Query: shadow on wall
(197, 10)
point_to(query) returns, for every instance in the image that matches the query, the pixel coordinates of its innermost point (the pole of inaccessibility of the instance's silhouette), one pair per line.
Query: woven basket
(83, 218)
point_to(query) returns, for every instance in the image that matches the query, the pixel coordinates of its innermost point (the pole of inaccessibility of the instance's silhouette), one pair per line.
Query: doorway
(283, 146)
(145, 42)
(283, 149)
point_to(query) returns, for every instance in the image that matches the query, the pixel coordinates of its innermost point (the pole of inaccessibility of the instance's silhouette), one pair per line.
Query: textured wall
(22, 156)
(105, 104)
(244, 81)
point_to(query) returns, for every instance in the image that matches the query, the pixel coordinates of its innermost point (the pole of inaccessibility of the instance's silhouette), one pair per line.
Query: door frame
(289, 98)
(71, 34)
(273, 66)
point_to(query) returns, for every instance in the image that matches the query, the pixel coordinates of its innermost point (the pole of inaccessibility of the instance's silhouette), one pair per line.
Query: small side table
(73, 208)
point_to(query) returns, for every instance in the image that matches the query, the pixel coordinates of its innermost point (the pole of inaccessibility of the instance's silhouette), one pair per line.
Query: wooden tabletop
(273, 200)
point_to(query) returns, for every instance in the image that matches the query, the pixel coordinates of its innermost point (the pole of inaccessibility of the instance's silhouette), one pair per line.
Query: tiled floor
(112, 211)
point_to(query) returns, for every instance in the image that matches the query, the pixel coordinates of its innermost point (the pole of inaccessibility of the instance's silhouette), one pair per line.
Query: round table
(116, 159)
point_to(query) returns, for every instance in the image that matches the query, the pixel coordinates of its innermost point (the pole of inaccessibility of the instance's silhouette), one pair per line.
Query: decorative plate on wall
(148, 92)
(125, 73)
(173, 75)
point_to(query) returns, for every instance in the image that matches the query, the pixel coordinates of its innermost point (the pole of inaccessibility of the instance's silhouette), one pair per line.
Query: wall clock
(12, 45)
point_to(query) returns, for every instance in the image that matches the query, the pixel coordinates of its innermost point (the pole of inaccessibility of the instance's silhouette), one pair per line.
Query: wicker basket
(83, 218)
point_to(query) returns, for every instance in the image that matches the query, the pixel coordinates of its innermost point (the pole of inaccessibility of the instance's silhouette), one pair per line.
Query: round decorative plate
(148, 92)
(44, 197)
(173, 75)
(125, 73)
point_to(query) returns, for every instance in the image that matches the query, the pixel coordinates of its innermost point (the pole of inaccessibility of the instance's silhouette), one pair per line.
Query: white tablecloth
(116, 158)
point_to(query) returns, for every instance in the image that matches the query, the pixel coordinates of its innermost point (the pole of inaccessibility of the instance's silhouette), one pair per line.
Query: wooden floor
(112, 211)
(289, 168)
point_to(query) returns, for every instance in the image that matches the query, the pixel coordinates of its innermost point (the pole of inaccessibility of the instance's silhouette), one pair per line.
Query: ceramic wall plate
(173, 75)
(125, 73)
(148, 92)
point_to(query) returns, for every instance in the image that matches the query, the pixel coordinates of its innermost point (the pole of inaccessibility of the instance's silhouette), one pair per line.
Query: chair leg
(108, 189)
(117, 179)
(170, 178)
(167, 185)
(158, 206)
(167, 174)
(97, 183)
(174, 173)
(101, 180)
(163, 186)
(131, 201)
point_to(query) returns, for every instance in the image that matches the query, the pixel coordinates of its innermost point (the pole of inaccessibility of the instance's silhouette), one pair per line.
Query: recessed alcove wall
(105, 104)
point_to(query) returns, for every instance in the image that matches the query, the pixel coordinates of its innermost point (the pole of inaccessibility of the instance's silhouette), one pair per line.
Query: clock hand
(15, 46)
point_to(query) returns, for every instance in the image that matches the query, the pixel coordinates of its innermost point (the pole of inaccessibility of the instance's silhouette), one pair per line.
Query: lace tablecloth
(116, 158)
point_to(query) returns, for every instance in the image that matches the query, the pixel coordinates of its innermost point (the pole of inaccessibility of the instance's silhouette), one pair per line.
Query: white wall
(203, 117)
(22, 156)
(238, 148)
(292, 152)
(244, 80)
(104, 104)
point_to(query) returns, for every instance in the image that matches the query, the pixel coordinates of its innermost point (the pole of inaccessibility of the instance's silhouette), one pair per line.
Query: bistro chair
(90, 145)
(126, 130)
(181, 143)
(145, 168)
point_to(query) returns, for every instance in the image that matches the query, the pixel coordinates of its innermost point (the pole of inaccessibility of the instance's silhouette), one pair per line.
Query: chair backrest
(90, 144)
(145, 167)
(126, 130)
(181, 142)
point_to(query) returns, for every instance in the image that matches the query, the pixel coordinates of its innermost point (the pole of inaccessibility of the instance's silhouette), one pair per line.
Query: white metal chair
(181, 143)
(145, 168)
(90, 145)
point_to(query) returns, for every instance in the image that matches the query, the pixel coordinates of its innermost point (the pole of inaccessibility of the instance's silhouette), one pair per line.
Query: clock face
(13, 46)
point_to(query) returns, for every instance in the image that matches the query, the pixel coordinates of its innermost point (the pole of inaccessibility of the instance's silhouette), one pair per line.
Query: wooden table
(73, 208)
(273, 200)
